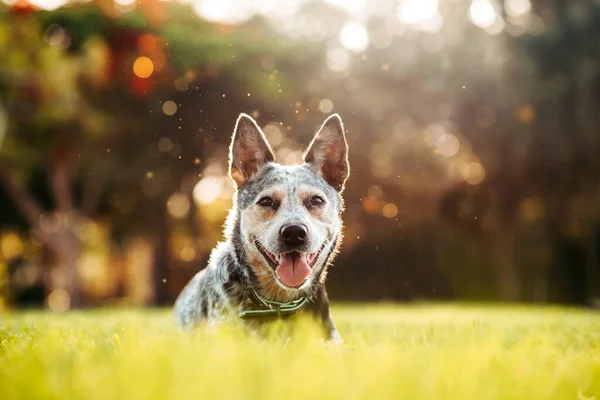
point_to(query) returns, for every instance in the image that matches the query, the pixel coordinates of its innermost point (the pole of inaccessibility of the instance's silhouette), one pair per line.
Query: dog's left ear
(249, 150)
(327, 154)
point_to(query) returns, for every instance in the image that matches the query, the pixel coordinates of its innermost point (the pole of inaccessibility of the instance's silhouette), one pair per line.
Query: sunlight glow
(207, 190)
(417, 11)
(433, 133)
(447, 145)
(178, 205)
(482, 13)
(474, 173)
(337, 59)
(125, 2)
(266, 7)
(187, 254)
(326, 106)
(497, 27)
(273, 134)
(354, 7)
(517, 8)
(223, 10)
(433, 24)
(354, 36)
(49, 4)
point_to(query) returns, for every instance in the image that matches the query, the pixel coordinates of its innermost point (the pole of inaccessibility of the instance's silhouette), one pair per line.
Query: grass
(415, 352)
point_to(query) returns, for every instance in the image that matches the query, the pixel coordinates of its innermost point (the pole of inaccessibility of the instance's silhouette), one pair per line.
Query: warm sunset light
(474, 173)
(417, 11)
(354, 37)
(300, 199)
(482, 13)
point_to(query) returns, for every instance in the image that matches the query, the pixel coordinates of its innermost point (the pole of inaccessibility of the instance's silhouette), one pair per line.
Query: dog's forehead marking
(286, 177)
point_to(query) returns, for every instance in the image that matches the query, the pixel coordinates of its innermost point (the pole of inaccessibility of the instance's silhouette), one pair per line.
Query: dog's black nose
(293, 234)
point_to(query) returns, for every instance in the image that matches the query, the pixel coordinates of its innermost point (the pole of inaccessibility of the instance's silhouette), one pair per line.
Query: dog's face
(287, 220)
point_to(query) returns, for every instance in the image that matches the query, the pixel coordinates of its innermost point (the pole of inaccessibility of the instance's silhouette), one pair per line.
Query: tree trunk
(160, 265)
(69, 259)
(593, 256)
(503, 248)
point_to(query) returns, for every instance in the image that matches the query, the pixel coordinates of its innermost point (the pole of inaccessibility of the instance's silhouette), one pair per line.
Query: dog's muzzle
(292, 268)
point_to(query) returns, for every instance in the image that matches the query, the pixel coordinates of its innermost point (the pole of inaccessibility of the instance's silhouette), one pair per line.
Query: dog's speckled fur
(219, 291)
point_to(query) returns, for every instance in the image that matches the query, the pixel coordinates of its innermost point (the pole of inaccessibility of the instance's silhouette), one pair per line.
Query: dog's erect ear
(249, 150)
(327, 154)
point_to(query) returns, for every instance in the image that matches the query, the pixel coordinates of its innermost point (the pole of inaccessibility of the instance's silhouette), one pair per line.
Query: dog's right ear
(249, 150)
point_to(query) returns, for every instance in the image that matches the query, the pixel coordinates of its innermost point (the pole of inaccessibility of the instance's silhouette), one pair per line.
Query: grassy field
(415, 352)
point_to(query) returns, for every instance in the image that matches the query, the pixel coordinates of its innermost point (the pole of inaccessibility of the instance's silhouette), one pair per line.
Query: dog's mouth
(292, 268)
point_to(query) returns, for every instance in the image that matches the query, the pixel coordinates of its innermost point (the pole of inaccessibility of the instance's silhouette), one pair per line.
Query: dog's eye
(317, 201)
(266, 202)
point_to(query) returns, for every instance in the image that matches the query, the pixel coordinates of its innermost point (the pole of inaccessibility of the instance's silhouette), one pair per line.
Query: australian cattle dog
(282, 233)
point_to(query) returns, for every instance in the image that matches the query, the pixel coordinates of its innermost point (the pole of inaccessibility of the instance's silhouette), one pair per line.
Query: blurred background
(472, 125)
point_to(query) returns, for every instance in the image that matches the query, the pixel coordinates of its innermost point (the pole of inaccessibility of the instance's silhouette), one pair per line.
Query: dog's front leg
(320, 309)
(333, 335)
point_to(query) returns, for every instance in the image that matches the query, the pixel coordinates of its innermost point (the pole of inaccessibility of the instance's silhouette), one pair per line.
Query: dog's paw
(335, 340)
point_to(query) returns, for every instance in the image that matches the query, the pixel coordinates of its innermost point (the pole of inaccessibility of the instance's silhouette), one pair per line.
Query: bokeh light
(375, 192)
(48, 4)
(482, 13)
(326, 106)
(293, 158)
(389, 210)
(526, 113)
(182, 84)
(11, 246)
(354, 7)
(169, 107)
(337, 59)
(433, 24)
(428, 94)
(447, 145)
(178, 205)
(532, 208)
(517, 8)
(57, 36)
(354, 36)
(143, 67)
(208, 189)
(187, 254)
(223, 11)
(474, 173)
(417, 11)
(273, 134)
(59, 300)
(432, 134)
(165, 144)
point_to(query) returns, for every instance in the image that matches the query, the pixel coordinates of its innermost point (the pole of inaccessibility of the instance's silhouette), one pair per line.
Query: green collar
(272, 309)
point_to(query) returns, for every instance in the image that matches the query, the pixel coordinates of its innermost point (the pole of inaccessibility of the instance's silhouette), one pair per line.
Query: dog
(282, 233)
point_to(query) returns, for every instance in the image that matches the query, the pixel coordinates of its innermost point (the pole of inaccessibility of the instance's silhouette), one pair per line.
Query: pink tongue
(293, 269)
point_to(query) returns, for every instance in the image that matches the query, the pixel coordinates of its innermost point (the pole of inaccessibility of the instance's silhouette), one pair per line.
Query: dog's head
(286, 222)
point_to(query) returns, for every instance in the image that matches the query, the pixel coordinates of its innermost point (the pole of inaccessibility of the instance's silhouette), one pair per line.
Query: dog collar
(272, 309)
